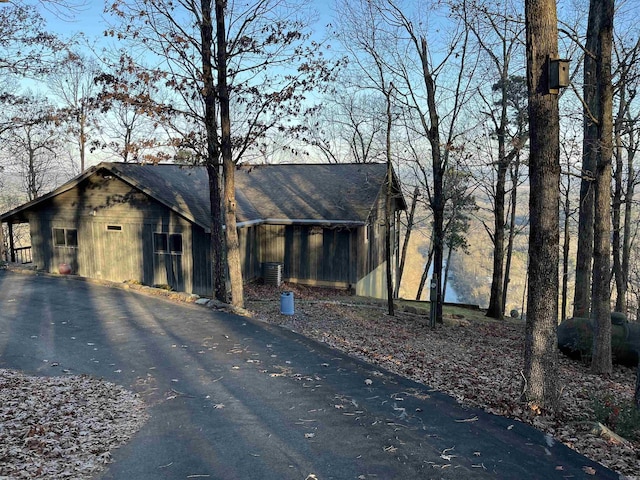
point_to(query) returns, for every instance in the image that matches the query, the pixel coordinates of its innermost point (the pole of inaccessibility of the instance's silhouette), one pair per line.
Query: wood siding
(115, 226)
(311, 254)
(116, 222)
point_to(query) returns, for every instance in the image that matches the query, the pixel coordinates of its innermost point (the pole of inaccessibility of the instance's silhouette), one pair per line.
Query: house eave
(301, 221)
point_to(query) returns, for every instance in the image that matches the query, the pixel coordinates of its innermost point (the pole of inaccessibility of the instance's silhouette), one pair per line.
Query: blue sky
(89, 18)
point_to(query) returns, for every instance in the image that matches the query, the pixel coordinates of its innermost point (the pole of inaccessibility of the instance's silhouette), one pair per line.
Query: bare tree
(236, 71)
(497, 31)
(625, 147)
(570, 152)
(26, 47)
(73, 82)
(405, 53)
(31, 147)
(600, 28)
(350, 126)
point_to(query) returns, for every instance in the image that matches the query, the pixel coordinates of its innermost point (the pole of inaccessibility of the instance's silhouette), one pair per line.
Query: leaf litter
(63, 427)
(476, 360)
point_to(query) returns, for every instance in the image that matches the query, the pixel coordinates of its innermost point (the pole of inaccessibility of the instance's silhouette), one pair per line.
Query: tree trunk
(446, 274)
(495, 309)
(218, 277)
(82, 138)
(584, 254)
(438, 238)
(388, 214)
(540, 389)
(425, 272)
(438, 164)
(601, 20)
(628, 219)
(565, 250)
(407, 236)
(212, 161)
(636, 396)
(616, 224)
(622, 253)
(229, 166)
(512, 231)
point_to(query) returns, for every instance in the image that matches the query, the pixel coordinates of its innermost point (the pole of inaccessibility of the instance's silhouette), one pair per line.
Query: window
(114, 228)
(160, 244)
(175, 243)
(65, 237)
(167, 243)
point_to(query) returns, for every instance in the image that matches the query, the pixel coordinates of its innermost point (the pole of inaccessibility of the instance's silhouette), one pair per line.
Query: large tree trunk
(438, 163)
(540, 389)
(584, 254)
(438, 235)
(212, 161)
(496, 299)
(601, 25)
(229, 167)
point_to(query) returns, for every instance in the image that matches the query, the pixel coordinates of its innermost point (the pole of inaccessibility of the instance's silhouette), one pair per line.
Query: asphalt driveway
(230, 398)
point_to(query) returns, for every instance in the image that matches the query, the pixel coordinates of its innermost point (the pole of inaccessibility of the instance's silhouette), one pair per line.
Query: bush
(514, 313)
(622, 418)
(618, 318)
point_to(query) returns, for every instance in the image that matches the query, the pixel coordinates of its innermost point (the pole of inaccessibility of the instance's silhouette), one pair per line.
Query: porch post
(12, 250)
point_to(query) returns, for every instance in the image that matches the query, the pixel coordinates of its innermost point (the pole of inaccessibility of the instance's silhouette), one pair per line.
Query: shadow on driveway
(232, 398)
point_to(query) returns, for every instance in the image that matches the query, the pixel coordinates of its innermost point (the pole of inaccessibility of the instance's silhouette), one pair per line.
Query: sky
(89, 18)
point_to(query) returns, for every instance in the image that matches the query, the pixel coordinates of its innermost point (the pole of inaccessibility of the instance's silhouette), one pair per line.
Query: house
(318, 224)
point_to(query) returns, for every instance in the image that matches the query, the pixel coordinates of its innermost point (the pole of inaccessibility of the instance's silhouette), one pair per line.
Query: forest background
(83, 83)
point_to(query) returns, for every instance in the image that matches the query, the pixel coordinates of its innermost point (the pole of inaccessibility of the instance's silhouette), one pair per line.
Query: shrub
(623, 418)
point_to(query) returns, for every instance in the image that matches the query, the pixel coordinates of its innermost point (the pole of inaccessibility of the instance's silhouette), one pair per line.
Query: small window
(65, 237)
(114, 228)
(175, 243)
(71, 235)
(160, 242)
(58, 237)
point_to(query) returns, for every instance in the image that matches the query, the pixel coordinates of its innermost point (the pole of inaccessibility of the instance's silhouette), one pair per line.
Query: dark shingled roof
(289, 193)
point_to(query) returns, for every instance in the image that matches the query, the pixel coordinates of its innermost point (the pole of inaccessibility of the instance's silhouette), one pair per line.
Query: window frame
(69, 238)
(168, 243)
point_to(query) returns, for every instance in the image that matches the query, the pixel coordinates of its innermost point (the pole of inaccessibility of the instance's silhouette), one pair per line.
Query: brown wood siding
(126, 251)
(249, 253)
(320, 255)
(272, 240)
